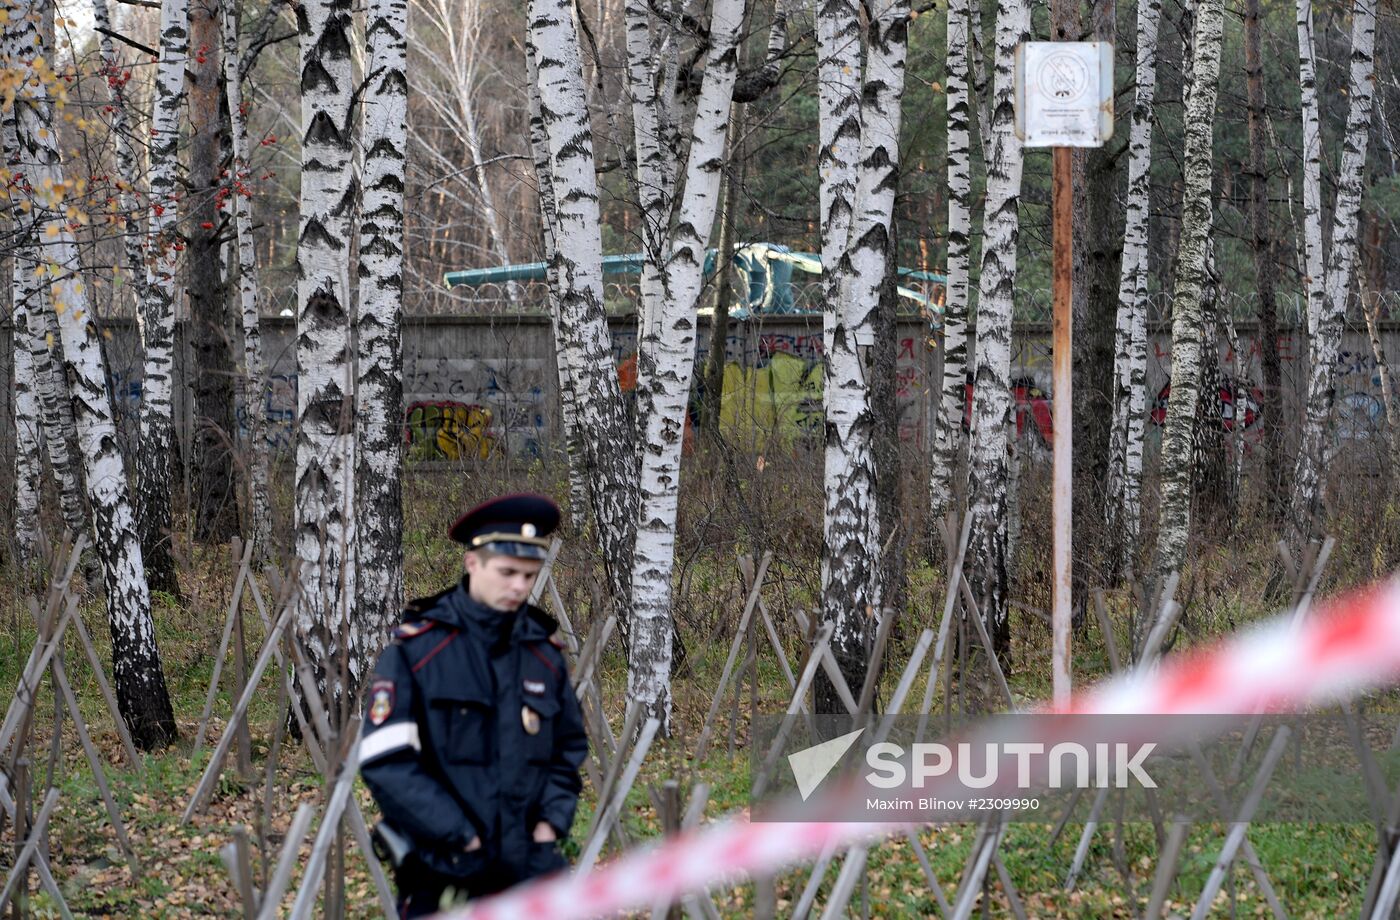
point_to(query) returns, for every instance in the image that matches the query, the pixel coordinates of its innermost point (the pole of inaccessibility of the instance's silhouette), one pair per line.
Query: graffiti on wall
(1032, 406)
(782, 398)
(1360, 417)
(475, 404)
(446, 430)
(1241, 404)
(279, 411)
(780, 393)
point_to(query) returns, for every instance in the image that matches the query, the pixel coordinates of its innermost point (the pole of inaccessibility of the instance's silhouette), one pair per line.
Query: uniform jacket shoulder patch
(409, 630)
(381, 695)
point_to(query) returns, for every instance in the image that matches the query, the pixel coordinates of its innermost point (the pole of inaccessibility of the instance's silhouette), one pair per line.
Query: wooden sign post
(1064, 99)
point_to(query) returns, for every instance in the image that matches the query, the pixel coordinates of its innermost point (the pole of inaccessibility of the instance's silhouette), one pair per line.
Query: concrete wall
(477, 384)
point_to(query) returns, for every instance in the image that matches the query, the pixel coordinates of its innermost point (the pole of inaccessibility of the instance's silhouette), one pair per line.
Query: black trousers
(424, 891)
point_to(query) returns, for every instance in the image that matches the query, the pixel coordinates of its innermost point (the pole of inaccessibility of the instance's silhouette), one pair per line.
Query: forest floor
(1319, 870)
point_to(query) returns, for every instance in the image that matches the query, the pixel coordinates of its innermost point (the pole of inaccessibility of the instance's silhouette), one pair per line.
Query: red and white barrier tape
(1351, 645)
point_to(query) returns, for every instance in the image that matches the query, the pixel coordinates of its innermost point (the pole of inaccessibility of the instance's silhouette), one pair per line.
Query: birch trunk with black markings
(379, 409)
(852, 595)
(162, 292)
(259, 505)
(949, 437)
(991, 410)
(1178, 438)
(1307, 516)
(664, 375)
(609, 453)
(136, 667)
(1123, 510)
(324, 524)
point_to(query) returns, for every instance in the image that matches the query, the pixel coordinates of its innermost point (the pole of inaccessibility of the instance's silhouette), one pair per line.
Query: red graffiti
(1239, 399)
(1031, 404)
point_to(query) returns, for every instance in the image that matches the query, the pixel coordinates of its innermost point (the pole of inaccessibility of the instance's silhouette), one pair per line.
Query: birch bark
(136, 667)
(29, 469)
(1123, 510)
(1314, 255)
(851, 586)
(1307, 516)
(1178, 436)
(259, 505)
(457, 55)
(839, 132)
(655, 173)
(157, 316)
(662, 397)
(566, 347)
(117, 78)
(325, 430)
(55, 402)
(991, 411)
(838, 128)
(948, 435)
(609, 456)
(35, 334)
(379, 410)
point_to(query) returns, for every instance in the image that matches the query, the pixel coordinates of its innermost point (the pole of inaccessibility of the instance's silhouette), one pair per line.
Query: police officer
(473, 736)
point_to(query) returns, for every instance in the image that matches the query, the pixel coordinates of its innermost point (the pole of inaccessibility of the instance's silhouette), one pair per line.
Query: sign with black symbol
(1064, 93)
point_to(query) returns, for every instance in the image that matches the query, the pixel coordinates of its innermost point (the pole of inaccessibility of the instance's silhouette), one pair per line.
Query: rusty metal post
(1063, 275)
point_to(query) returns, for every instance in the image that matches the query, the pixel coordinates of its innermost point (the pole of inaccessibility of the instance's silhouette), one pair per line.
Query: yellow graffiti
(449, 430)
(781, 400)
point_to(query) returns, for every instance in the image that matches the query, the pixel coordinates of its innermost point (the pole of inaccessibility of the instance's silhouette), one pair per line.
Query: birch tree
(28, 463)
(567, 353)
(948, 435)
(259, 506)
(991, 409)
(1178, 437)
(1314, 256)
(117, 78)
(60, 437)
(325, 430)
(652, 117)
(136, 667)
(664, 375)
(449, 40)
(24, 297)
(378, 325)
(838, 161)
(157, 315)
(38, 377)
(851, 586)
(1328, 311)
(56, 419)
(1123, 510)
(577, 271)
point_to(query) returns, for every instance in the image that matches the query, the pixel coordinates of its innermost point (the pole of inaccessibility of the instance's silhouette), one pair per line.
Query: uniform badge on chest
(535, 686)
(530, 719)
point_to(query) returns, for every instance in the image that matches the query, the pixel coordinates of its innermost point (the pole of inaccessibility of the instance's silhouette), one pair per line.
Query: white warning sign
(1064, 93)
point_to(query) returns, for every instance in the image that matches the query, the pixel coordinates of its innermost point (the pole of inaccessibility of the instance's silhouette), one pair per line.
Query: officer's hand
(544, 833)
(474, 843)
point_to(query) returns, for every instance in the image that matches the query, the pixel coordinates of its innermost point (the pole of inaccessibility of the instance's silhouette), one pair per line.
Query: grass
(1319, 870)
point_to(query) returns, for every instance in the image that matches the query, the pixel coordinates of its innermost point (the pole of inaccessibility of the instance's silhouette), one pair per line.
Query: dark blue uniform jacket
(472, 728)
